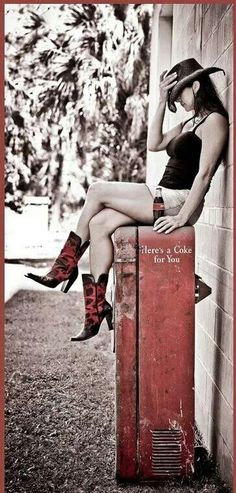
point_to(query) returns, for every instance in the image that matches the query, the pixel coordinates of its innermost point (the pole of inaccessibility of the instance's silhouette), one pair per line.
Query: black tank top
(184, 151)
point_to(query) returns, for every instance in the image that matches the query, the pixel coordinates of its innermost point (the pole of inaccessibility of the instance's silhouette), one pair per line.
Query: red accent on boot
(90, 300)
(96, 306)
(65, 265)
(68, 258)
(101, 292)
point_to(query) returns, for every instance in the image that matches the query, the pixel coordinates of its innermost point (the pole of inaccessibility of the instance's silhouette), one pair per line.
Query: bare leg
(131, 199)
(101, 227)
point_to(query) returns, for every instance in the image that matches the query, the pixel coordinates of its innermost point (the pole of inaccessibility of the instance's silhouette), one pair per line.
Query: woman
(193, 160)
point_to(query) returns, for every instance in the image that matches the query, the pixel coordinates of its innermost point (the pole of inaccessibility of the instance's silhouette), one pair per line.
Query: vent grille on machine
(166, 452)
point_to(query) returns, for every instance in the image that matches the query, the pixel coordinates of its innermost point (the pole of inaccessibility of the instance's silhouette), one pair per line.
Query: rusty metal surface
(154, 325)
(126, 358)
(166, 340)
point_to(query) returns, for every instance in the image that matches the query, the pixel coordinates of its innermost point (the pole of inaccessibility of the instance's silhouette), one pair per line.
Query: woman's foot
(96, 306)
(65, 267)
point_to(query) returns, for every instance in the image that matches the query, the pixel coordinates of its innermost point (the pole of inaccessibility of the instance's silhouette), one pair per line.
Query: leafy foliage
(76, 98)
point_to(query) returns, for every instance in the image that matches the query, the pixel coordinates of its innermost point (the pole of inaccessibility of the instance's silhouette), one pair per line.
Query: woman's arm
(214, 135)
(157, 141)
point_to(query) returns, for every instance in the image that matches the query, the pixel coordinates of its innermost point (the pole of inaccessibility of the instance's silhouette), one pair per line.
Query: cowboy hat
(187, 71)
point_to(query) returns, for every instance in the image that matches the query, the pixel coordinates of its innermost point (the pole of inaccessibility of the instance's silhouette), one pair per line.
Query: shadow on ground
(60, 411)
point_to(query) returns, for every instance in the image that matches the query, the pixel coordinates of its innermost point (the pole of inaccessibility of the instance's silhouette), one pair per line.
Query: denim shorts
(174, 201)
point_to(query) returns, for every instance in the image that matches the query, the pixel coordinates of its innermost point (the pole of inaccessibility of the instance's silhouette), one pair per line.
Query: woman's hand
(166, 83)
(167, 224)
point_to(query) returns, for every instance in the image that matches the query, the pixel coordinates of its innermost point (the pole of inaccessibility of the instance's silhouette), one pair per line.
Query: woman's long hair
(207, 97)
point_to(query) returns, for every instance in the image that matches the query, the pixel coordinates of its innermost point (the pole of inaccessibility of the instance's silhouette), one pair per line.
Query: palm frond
(81, 15)
(35, 21)
(79, 86)
(120, 11)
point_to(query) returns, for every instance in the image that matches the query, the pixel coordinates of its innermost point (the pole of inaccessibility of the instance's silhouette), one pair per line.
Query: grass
(60, 430)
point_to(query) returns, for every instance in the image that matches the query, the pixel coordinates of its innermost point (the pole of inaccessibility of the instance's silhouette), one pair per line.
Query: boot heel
(109, 320)
(68, 283)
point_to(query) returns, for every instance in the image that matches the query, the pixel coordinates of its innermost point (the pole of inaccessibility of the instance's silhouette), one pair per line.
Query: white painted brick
(182, 11)
(227, 98)
(200, 378)
(202, 347)
(222, 248)
(217, 365)
(218, 216)
(213, 196)
(225, 61)
(218, 447)
(223, 373)
(223, 217)
(225, 30)
(212, 19)
(220, 193)
(205, 314)
(220, 282)
(227, 22)
(221, 413)
(201, 416)
(185, 50)
(226, 197)
(216, 322)
(224, 458)
(213, 440)
(214, 332)
(230, 150)
(210, 53)
(216, 244)
(203, 240)
(205, 216)
(212, 216)
(205, 7)
(212, 272)
(224, 298)
(209, 196)
(223, 331)
(217, 43)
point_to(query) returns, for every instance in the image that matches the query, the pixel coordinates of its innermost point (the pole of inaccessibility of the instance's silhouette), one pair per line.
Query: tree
(76, 98)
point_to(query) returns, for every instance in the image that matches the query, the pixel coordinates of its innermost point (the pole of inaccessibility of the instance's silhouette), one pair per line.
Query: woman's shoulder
(215, 123)
(217, 117)
(214, 134)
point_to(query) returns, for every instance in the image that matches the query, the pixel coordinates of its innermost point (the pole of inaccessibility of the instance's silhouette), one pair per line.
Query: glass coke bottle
(158, 205)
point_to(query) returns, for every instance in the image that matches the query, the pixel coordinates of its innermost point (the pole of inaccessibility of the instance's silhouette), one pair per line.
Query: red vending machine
(154, 345)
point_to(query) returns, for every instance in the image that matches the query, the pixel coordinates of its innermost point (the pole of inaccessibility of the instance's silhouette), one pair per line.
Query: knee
(102, 223)
(96, 189)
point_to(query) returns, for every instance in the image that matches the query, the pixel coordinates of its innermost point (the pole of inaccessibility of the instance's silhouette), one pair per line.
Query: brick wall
(208, 34)
(204, 31)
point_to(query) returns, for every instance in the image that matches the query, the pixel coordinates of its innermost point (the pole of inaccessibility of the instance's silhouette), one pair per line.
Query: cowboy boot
(65, 266)
(96, 306)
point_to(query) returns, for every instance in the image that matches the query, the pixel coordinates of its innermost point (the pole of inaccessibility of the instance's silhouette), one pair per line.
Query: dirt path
(60, 410)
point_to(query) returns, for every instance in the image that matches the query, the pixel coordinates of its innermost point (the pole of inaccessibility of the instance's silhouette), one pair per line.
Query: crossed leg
(101, 227)
(108, 206)
(131, 199)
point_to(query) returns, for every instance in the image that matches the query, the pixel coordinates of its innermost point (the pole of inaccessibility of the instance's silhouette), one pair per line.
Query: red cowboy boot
(65, 266)
(96, 306)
